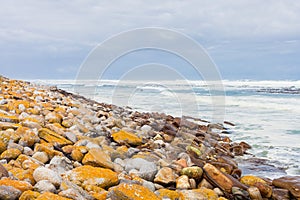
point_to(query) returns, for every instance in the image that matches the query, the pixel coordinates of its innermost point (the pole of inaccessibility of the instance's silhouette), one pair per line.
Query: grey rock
(146, 169)
(149, 185)
(119, 161)
(132, 151)
(60, 164)
(12, 145)
(44, 186)
(75, 192)
(43, 173)
(3, 101)
(91, 145)
(146, 128)
(71, 136)
(28, 151)
(9, 193)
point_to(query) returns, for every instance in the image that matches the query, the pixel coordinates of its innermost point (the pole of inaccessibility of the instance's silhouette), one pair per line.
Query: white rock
(146, 128)
(60, 164)
(41, 156)
(21, 107)
(71, 136)
(44, 186)
(28, 151)
(43, 173)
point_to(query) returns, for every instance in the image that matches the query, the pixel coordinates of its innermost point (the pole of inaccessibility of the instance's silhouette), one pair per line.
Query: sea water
(266, 114)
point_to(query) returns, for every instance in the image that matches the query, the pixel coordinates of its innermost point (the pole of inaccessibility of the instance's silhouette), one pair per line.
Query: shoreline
(45, 130)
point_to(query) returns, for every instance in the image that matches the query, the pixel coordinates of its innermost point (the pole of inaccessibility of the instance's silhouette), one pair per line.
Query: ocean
(266, 114)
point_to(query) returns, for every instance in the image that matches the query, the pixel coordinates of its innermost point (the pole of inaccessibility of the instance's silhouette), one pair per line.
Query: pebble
(41, 156)
(131, 192)
(98, 158)
(43, 173)
(182, 182)
(9, 193)
(192, 172)
(44, 186)
(60, 164)
(165, 176)
(146, 169)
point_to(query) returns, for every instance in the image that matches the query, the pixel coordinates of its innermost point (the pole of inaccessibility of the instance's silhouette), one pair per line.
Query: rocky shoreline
(58, 145)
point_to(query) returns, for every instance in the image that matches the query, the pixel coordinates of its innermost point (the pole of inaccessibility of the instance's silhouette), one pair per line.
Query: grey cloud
(63, 32)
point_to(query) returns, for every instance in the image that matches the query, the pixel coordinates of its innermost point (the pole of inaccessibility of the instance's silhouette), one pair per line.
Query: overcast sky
(253, 39)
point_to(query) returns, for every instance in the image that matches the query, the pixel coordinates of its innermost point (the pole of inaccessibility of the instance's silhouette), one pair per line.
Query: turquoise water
(266, 113)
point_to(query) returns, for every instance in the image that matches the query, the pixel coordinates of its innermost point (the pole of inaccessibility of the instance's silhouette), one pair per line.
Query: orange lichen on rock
(123, 137)
(29, 195)
(52, 137)
(89, 175)
(23, 175)
(20, 185)
(97, 158)
(10, 154)
(51, 196)
(170, 194)
(132, 192)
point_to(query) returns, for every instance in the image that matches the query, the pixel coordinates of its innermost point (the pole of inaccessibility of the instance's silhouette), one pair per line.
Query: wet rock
(254, 193)
(131, 192)
(291, 183)
(9, 193)
(265, 189)
(97, 158)
(204, 183)
(44, 186)
(220, 179)
(218, 191)
(280, 194)
(43, 173)
(251, 180)
(239, 193)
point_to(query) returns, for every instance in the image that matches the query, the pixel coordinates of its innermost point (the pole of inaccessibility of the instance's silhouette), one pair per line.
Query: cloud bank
(50, 39)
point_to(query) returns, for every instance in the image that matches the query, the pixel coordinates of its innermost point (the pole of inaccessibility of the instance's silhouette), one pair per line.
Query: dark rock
(280, 194)
(291, 183)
